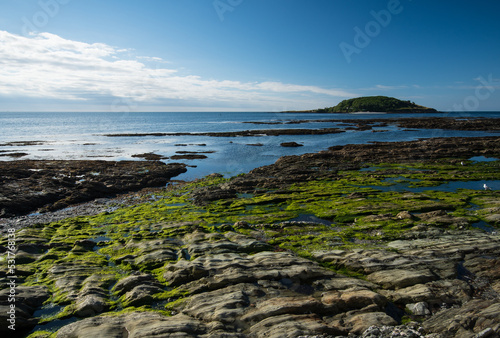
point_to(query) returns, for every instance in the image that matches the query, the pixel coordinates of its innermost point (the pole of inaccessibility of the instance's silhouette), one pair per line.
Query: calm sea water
(82, 136)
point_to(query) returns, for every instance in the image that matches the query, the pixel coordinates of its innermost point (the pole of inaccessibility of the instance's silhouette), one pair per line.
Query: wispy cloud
(45, 65)
(381, 87)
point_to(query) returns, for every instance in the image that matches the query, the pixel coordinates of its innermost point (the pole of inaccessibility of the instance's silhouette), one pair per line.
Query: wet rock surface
(150, 156)
(28, 299)
(27, 186)
(308, 247)
(450, 123)
(228, 292)
(246, 133)
(291, 144)
(325, 164)
(485, 124)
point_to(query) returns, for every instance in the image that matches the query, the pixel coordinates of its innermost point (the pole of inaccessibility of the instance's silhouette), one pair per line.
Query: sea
(83, 136)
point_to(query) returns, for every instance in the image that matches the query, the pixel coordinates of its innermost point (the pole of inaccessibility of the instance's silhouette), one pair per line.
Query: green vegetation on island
(376, 104)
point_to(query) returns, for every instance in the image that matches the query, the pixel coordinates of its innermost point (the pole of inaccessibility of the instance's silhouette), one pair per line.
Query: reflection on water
(445, 187)
(483, 226)
(48, 311)
(483, 159)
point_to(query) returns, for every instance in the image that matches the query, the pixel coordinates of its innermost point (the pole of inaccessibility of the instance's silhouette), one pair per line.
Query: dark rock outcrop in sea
(291, 144)
(443, 122)
(263, 132)
(27, 186)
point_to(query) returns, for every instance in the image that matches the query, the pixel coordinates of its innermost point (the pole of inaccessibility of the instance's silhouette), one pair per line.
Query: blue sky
(246, 55)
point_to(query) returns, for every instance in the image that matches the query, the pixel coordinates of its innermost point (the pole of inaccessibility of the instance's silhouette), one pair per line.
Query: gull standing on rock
(486, 187)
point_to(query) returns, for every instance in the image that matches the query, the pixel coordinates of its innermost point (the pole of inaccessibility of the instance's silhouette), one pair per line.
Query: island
(383, 104)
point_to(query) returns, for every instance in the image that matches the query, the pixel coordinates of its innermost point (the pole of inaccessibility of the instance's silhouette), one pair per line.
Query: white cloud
(152, 59)
(45, 65)
(381, 87)
(291, 88)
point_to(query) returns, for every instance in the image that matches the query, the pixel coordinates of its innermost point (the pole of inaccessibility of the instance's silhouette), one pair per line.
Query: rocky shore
(40, 186)
(375, 240)
(450, 123)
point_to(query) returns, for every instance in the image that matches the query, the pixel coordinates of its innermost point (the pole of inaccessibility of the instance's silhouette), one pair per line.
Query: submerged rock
(291, 144)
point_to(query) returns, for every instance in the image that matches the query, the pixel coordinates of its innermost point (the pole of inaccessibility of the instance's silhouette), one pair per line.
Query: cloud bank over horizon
(89, 76)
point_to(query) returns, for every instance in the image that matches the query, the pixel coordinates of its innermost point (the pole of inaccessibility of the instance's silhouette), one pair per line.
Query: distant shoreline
(318, 111)
(368, 113)
(451, 123)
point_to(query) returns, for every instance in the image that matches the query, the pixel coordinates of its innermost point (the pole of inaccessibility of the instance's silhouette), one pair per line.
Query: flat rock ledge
(233, 285)
(30, 185)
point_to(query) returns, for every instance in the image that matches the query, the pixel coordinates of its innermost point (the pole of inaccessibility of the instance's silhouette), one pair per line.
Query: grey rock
(358, 324)
(489, 332)
(418, 309)
(408, 331)
(295, 325)
(140, 295)
(136, 324)
(399, 278)
(90, 305)
(467, 320)
(404, 215)
(128, 283)
(282, 305)
(356, 298)
(27, 299)
(207, 273)
(225, 305)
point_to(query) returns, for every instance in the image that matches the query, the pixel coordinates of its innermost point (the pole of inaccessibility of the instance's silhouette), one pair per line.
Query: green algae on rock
(324, 253)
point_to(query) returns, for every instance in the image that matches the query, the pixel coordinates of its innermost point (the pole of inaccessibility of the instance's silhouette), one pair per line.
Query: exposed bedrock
(26, 186)
(237, 286)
